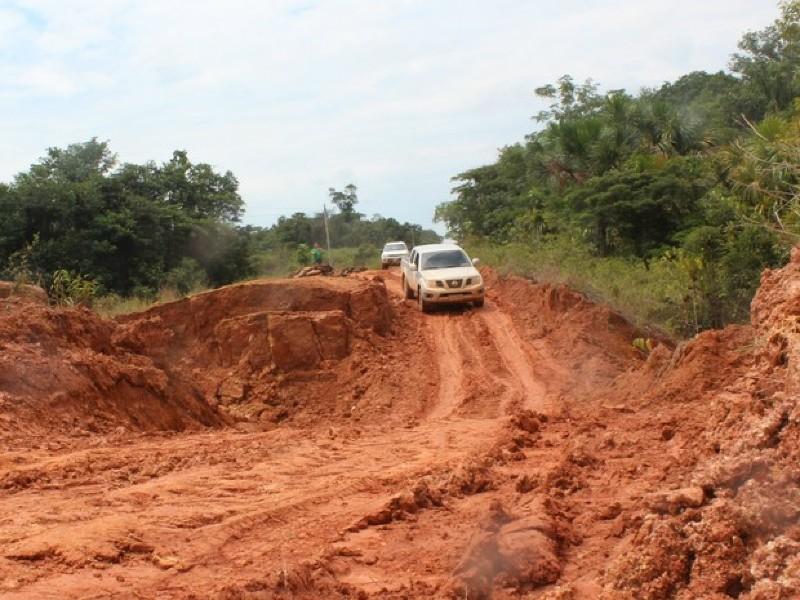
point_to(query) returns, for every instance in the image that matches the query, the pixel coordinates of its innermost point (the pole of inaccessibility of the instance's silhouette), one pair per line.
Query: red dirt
(321, 438)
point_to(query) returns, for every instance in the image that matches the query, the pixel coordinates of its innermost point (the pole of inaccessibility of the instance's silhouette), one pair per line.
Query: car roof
(425, 248)
(397, 242)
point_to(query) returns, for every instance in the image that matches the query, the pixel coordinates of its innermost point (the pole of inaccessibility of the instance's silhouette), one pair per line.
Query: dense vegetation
(683, 193)
(85, 226)
(127, 229)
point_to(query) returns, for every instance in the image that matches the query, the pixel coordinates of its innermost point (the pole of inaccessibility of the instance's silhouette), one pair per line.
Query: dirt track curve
(519, 450)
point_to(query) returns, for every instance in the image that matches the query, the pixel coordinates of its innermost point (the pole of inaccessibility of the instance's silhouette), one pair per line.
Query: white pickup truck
(441, 274)
(393, 253)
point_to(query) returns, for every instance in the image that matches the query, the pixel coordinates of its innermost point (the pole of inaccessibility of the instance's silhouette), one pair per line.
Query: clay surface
(321, 438)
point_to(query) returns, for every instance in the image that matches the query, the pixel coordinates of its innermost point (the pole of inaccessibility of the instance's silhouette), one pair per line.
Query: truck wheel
(423, 305)
(479, 303)
(384, 266)
(407, 294)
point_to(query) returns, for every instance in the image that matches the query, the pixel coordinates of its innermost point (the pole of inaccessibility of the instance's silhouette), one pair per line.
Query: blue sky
(295, 97)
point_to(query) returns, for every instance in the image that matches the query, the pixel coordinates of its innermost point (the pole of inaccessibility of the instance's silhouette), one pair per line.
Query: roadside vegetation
(667, 203)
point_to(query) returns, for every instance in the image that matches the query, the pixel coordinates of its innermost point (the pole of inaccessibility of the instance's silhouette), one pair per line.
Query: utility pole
(327, 233)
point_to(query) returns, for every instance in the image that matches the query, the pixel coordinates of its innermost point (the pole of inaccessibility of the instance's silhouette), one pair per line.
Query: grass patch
(112, 305)
(655, 296)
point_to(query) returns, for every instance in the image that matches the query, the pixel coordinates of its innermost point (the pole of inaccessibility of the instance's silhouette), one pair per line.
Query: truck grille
(453, 283)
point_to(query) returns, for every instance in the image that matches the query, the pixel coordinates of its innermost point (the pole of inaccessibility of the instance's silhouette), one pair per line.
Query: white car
(441, 274)
(393, 253)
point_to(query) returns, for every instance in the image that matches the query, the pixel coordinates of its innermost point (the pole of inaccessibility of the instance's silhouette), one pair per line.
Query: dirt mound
(61, 372)
(258, 352)
(267, 350)
(10, 289)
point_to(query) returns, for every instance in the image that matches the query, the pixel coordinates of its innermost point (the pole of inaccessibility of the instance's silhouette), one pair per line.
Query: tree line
(80, 219)
(702, 172)
(347, 228)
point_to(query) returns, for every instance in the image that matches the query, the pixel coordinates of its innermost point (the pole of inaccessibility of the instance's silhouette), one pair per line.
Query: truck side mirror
(476, 262)
(412, 267)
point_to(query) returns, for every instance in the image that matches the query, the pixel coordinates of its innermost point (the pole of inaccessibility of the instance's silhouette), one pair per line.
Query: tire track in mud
(457, 346)
(471, 349)
(246, 508)
(450, 362)
(517, 357)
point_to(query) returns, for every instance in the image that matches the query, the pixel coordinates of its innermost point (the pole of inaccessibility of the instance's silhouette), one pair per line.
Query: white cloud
(297, 96)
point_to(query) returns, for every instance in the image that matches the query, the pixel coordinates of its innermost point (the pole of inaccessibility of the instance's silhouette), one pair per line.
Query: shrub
(303, 255)
(70, 289)
(186, 278)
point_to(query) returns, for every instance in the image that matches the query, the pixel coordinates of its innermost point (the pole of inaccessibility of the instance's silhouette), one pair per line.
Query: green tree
(769, 60)
(345, 200)
(199, 191)
(639, 212)
(125, 228)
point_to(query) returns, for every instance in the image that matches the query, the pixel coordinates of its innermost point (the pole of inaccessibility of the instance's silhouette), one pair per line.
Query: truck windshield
(395, 247)
(445, 260)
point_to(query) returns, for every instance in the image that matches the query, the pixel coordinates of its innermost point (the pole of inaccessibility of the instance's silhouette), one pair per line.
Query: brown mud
(321, 438)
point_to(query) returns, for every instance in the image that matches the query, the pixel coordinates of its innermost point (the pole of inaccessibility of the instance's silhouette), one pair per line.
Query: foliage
(303, 255)
(345, 200)
(357, 238)
(71, 289)
(768, 62)
(697, 180)
(643, 345)
(125, 228)
(639, 212)
(20, 266)
(765, 173)
(655, 296)
(346, 229)
(187, 277)
(113, 305)
(282, 262)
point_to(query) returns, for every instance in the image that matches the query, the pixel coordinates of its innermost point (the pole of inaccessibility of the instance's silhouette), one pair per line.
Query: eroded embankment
(681, 471)
(725, 406)
(62, 373)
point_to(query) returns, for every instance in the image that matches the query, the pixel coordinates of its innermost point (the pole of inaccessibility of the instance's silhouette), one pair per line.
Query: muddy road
(322, 439)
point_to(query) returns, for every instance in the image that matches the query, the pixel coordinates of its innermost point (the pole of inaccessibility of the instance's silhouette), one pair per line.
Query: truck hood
(451, 273)
(395, 253)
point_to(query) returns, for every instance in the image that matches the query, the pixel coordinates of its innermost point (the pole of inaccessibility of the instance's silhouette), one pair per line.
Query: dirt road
(465, 453)
(230, 506)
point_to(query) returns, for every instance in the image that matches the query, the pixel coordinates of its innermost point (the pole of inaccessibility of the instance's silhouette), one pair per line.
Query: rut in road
(468, 353)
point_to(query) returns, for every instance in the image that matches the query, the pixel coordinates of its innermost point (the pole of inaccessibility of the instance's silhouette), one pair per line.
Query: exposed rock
(675, 501)
(333, 335)
(293, 342)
